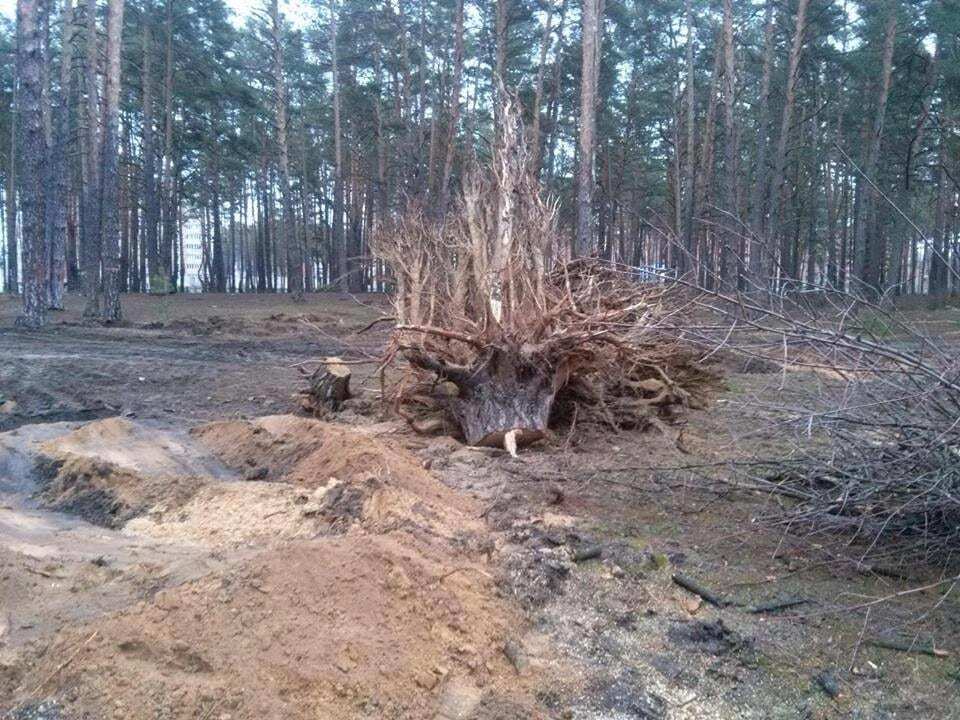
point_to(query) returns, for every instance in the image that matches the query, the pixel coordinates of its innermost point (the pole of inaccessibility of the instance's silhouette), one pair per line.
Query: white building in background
(192, 255)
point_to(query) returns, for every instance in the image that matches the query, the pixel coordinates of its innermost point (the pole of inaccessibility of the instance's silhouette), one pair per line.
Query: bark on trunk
(162, 278)
(290, 240)
(758, 249)
(688, 254)
(12, 284)
(90, 227)
(729, 260)
(502, 393)
(868, 246)
(588, 105)
(110, 202)
(151, 200)
(33, 147)
(339, 244)
(778, 184)
(451, 139)
(58, 175)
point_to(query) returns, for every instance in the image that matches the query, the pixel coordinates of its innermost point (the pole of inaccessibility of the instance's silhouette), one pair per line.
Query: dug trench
(284, 567)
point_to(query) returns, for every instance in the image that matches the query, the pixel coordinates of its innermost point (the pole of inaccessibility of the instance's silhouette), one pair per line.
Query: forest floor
(175, 542)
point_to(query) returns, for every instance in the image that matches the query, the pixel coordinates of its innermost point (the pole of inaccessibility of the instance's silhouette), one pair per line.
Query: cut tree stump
(329, 387)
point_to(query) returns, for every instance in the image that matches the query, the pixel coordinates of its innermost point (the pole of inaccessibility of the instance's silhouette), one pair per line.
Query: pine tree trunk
(163, 275)
(59, 175)
(33, 147)
(758, 249)
(90, 227)
(688, 253)
(535, 140)
(778, 189)
(151, 201)
(12, 284)
(869, 245)
(339, 242)
(289, 239)
(454, 117)
(729, 261)
(110, 203)
(588, 106)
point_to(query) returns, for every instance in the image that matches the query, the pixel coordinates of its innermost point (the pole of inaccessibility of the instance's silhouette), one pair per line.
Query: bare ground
(242, 563)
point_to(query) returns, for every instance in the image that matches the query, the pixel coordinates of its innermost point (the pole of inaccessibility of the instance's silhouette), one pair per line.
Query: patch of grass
(876, 326)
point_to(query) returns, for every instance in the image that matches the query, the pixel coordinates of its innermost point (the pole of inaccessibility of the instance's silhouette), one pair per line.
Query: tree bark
(339, 244)
(778, 190)
(162, 278)
(12, 284)
(90, 228)
(151, 199)
(535, 141)
(758, 249)
(58, 181)
(454, 119)
(729, 260)
(33, 146)
(688, 253)
(110, 202)
(868, 245)
(588, 106)
(289, 240)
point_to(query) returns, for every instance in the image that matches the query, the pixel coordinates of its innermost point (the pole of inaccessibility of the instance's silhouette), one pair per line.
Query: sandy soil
(187, 557)
(178, 358)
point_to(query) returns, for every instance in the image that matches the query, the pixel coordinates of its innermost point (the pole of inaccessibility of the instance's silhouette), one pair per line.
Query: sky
(299, 12)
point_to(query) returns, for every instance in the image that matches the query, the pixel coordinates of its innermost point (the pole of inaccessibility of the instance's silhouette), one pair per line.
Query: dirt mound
(265, 513)
(139, 448)
(354, 475)
(345, 627)
(106, 494)
(112, 470)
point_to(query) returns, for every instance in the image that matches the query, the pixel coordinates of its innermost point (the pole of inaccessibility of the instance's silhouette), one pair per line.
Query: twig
(63, 665)
(909, 647)
(691, 585)
(774, 605)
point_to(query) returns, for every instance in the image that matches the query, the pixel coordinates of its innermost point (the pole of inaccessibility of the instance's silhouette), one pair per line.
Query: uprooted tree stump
(501, 393)
(503, 334)
(329, 387)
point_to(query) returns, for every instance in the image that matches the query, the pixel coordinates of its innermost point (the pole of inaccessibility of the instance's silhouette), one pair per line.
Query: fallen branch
(909, 647)
(691, 585)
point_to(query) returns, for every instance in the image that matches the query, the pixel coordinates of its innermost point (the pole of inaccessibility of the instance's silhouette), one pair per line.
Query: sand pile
(357, 585)
(340, 627)
(351, 477)
(112, 470)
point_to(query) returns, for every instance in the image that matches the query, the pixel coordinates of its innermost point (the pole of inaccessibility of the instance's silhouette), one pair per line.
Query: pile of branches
(876, 452)
(504, 335)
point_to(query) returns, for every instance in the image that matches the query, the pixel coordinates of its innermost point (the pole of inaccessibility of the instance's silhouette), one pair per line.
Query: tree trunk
(90, 239)
(162, 277)
(869, 248)
(588, 107)
(33, 146)
(451, 139)
(12, 284)
(688, 252)
(758, 249)
(535, 141)
(290, 240)
(110, 202)
(339, 244)
(59, 175)
(729, 262)
(500, 394)
(151, 200)
(778, 190)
